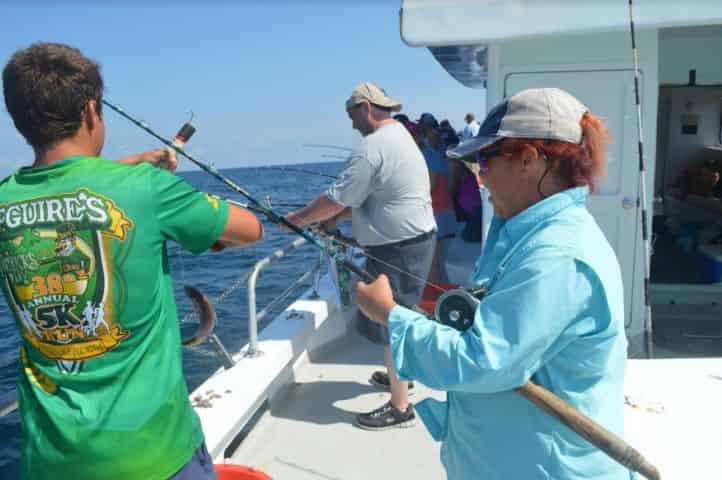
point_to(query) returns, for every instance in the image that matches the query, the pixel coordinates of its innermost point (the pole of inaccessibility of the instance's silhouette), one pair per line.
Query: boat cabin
(586, 49)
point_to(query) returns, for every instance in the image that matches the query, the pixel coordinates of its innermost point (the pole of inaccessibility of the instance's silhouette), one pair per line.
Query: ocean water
(212, 273)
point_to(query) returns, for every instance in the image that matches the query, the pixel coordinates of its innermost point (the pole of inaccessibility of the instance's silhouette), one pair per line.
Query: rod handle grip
(600, 437)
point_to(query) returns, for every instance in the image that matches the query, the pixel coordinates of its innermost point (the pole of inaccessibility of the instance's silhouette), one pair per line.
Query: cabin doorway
(686, 289)
(609, 94)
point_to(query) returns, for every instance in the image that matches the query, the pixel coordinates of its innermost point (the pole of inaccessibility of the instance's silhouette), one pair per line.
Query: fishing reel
(457, 307)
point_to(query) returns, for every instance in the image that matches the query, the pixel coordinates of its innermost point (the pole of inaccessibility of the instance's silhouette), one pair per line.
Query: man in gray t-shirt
(385, 187)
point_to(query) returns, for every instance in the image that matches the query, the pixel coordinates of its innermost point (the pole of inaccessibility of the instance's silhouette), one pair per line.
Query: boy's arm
(159, 157)
(242, 228)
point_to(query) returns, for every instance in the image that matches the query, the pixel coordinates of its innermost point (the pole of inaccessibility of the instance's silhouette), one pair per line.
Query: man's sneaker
(385, 417)
(381, 380)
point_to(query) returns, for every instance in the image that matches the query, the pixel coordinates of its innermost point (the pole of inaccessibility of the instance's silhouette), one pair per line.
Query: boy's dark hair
(47, 87)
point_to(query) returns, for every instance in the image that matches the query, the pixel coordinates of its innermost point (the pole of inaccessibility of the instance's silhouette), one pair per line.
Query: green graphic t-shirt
(84, 269)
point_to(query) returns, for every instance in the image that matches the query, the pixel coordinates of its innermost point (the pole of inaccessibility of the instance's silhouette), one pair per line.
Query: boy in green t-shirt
(83, 268)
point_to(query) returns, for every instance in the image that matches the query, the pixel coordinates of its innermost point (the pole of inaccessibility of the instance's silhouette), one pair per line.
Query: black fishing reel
(457, 308)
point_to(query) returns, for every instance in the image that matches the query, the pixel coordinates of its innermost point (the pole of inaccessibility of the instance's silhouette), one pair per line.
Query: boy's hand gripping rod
(600, 437)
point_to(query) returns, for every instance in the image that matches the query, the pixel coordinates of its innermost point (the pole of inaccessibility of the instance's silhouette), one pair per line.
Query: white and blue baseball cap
(545, 113)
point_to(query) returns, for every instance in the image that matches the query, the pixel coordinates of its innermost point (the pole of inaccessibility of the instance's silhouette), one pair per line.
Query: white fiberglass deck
(672, 416)
(309, 434)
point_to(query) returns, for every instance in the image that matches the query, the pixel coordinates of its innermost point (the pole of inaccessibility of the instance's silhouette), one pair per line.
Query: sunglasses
(483, 157)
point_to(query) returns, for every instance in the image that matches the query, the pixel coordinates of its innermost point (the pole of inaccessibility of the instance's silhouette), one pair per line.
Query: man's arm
(322, 208)
(332, 223)
(350, 190)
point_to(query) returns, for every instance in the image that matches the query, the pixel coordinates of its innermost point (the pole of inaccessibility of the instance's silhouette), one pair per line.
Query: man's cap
(541, 113)
(374, 94)
(428, 120)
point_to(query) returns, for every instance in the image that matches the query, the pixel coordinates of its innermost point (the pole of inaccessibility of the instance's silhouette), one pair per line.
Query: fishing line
(256, 205)
(269, 213)
(327, 145)
(302, 170)
(272, 216)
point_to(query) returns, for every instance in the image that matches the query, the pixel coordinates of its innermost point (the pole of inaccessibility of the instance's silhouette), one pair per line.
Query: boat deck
(308, 433)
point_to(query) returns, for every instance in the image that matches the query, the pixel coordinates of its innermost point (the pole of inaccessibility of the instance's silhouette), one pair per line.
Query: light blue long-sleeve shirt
(554, 313)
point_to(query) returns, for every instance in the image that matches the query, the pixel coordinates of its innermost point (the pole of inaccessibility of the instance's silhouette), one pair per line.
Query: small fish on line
(206, 316)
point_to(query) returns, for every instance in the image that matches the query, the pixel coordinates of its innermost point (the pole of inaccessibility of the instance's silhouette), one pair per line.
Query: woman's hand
(376, 300)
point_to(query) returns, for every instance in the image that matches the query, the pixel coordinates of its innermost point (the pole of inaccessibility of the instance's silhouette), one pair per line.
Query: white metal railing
(255, 317)
(8, 402)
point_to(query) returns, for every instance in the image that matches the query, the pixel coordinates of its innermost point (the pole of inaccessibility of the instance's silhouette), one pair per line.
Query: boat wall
(684, 49)
(575, 58)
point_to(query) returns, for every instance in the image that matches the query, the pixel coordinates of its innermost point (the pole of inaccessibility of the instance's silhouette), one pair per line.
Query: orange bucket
(228, 471)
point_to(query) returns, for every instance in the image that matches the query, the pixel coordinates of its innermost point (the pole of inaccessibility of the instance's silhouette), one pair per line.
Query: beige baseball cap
(545, 113)
(374, 94)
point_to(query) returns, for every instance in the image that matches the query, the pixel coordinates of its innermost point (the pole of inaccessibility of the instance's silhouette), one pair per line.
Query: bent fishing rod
(615, 447)
(257, 205)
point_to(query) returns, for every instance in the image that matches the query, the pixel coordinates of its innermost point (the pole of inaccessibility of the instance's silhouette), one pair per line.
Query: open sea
(212, 273)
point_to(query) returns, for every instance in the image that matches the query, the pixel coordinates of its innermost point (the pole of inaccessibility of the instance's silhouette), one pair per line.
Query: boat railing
(8, 402)
(253, 316)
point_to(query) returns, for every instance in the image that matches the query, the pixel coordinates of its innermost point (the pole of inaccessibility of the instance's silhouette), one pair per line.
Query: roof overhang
(432, 23)
(466, 63)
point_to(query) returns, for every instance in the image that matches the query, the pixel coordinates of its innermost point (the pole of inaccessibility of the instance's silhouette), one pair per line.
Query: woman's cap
(540, 113)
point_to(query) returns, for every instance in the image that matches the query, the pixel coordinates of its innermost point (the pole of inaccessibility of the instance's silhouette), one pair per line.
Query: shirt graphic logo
(55, 273)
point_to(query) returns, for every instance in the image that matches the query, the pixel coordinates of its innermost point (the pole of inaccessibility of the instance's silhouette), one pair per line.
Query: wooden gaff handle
(600, 437)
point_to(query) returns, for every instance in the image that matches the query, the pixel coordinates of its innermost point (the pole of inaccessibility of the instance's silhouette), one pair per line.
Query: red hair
(578, 164)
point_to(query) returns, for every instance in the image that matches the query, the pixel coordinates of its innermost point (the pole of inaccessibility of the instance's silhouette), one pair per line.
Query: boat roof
(426, 23)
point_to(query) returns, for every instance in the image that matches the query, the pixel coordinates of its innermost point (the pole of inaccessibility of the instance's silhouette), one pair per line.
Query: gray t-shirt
(386, 184)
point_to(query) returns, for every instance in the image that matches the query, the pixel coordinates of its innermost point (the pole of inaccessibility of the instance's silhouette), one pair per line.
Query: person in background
(448, 135)
(471, 128)
(385, 188)
(465, 184)
(434, 153)
(412, 127)
(553, 311)
(100, 388)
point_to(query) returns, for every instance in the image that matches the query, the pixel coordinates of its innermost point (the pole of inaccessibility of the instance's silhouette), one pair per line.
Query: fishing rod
(642, 202)
(268, 212)
(584, 426)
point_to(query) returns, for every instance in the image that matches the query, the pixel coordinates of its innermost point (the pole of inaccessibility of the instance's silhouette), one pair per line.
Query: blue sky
(261, 80)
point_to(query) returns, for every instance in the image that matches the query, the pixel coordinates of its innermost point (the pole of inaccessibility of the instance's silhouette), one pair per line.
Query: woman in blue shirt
(553, 314)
